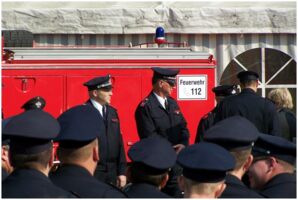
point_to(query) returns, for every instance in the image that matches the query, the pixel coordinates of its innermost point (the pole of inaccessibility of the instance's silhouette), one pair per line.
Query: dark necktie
(166, 105)
(104, 114)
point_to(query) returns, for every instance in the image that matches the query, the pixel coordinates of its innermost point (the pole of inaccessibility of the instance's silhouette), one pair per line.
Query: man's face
(258, 173)
(167, 87)
(103, 96)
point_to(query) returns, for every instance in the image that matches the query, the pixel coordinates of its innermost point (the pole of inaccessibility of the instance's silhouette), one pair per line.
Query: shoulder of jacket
(144, 102)
(268, 103)
(171, 100)
(206, 115)
(267, 99)
(228, 100)
(88, 102)
(114, 189)
(288, 113)
(111, 108)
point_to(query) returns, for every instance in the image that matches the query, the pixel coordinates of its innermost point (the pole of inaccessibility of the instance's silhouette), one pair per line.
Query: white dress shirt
(97, 105)
(161, 100)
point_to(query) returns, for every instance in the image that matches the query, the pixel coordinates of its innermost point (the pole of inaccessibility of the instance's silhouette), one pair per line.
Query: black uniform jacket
(145, 190)
(236, 189)
(112, 154)
(152, 119)
(79, 181)
(4, 174)
(288, 123)
(205, 123)
(260, 111)
(30, 183)
(280, 186)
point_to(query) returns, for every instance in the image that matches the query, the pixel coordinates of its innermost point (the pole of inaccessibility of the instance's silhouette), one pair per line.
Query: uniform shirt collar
(160, 100)
(248, 90)
(97, 105)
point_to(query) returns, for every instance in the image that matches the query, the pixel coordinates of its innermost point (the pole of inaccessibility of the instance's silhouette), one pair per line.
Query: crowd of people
(244, 148)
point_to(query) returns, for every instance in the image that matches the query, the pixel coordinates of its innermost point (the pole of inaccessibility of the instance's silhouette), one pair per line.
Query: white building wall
(224, 47)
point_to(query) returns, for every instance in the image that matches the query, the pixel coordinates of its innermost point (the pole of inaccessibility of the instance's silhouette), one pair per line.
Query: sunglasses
(106, 89)
(171, 83)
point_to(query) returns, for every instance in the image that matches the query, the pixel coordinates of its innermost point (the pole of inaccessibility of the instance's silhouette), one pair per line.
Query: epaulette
(112, 108)
(205, 116)
(169, 97)
(144, 102)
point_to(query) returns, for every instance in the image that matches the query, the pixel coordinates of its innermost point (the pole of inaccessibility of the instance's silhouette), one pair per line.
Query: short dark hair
(74, 154)
(138, 175)
(30, 160)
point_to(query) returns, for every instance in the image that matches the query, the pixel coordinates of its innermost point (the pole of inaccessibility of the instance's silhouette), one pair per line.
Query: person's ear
(4, 154)
(164, 181)
(248, 163)
(219, 190)
(95, 153)
(271, 163)
(160, 83)
(94, 93)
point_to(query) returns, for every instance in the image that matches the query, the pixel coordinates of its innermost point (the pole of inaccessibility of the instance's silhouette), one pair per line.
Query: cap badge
(38, 104)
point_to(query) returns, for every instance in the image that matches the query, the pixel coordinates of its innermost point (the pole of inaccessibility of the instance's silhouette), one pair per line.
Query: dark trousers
(172, 187)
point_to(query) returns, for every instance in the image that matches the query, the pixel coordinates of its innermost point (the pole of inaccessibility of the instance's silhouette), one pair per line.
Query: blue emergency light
(160, 35)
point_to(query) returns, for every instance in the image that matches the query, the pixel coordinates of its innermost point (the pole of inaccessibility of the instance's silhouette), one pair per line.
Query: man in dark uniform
(237, 135)
(34, 103)
(260, 111)
(207, 120)
(272, 172)
(78, 153)
(31, 156)
(159, 114)
(151, 160)
(204, 170)
(112, 165)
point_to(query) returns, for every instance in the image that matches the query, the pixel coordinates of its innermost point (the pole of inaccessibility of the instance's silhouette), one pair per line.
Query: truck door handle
(24, 85)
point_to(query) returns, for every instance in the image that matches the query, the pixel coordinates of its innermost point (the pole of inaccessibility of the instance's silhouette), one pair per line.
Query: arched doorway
(276, 70)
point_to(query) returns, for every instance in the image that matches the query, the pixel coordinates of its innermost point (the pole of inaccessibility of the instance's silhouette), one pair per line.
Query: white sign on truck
(192, 87)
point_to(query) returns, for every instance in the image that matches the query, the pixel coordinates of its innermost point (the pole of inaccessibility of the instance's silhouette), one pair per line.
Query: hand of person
(121, 181)
(178, 147)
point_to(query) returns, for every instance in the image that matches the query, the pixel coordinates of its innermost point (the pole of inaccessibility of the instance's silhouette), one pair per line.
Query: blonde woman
(282, 98)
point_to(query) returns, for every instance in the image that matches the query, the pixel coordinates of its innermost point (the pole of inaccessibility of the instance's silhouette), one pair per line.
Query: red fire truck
(57, 74)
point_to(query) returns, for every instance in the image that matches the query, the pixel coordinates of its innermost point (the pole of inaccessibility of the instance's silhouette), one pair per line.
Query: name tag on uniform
(114, 120)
